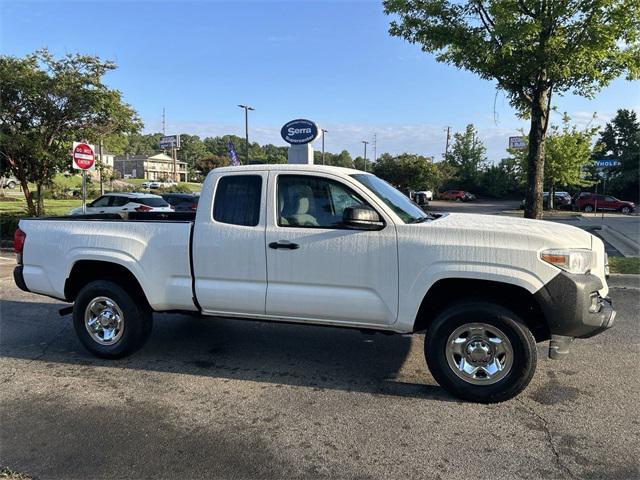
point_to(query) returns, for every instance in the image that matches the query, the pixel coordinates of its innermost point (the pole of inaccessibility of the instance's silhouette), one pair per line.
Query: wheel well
(517, 299)
(86, 271)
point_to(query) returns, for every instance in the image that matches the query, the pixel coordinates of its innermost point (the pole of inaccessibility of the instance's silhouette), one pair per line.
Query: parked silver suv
(9, 182)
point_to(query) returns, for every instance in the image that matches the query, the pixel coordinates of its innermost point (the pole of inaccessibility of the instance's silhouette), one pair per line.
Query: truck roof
(289, 167)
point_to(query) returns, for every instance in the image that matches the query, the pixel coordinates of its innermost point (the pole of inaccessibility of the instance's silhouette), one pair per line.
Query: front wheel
(626, 210)
(481, 352)
(109, 321)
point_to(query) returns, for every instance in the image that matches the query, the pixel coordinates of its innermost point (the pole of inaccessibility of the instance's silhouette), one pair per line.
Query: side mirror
(362, 218)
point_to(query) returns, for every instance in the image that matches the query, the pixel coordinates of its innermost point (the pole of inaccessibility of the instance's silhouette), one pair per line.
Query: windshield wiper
(421, 219)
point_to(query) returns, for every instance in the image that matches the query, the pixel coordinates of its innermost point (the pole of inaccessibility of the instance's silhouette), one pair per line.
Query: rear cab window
(237, 200)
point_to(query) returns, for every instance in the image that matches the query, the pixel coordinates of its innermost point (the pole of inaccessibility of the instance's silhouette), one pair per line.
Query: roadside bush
(176, 189)
(8, 225)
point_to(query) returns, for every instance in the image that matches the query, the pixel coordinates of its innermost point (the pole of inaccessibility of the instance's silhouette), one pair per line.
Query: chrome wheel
(104, 321)
(588, 209)
(626, 210)
(479, 353)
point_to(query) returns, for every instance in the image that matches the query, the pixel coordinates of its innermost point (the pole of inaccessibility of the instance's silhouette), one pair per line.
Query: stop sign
(83, 156)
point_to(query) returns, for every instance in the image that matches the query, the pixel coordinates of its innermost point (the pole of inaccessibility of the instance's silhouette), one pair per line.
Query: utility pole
(365, 154)
(446, 150)
(375, 147)
(164, 122)
(323, 134)
(246, 131)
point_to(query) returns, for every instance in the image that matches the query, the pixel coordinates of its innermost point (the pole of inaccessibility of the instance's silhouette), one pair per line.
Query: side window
(102, 201)
(119, 201)
(237, 200)
(313, 202)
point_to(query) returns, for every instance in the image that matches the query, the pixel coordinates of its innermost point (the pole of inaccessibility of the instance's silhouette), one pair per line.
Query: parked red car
(589, 202)
(458, 195)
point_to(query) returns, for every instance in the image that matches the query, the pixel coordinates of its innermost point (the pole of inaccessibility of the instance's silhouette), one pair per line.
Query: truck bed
(154, 247)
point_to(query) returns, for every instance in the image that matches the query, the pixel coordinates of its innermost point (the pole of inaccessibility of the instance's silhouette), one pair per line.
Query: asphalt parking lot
(234, 399)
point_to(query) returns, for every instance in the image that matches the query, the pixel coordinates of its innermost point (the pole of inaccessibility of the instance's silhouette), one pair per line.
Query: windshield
(408, 211)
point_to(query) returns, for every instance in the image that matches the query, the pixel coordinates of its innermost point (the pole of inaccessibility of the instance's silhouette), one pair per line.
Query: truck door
(317, 268)
(229, 261)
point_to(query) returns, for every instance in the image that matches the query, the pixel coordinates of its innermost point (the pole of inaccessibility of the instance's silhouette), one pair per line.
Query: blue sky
(330, 61)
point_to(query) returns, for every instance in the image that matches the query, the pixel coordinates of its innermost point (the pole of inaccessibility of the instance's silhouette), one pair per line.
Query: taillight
(143, 208)
(18, 240)
(193, 206)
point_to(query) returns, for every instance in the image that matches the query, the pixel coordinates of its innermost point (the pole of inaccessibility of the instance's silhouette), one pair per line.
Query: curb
(632, 245)
(625, 280)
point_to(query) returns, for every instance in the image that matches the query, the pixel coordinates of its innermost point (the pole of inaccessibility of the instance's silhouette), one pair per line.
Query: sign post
(83, 158)
(172, 142)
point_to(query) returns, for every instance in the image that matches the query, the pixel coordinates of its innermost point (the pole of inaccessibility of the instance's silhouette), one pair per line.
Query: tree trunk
(40, 200)
(28, 196)
(535, 158)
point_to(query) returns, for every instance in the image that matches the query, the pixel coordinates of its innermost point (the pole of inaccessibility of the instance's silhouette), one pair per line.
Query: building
(156, 167)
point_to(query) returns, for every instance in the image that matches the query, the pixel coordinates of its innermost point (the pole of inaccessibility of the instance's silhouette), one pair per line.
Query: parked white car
(329, 246)
(125, 202)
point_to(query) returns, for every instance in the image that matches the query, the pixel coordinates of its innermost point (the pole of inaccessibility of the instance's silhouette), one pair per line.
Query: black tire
(136, 314)
(588, 208)
(11, 185)
(508, 323)
(625, 210)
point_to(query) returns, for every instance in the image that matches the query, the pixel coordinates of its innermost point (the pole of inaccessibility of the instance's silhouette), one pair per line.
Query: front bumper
(574, 309)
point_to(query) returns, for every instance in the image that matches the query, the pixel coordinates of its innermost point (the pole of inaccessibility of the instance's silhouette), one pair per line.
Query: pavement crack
(46, 346)
(549, 437)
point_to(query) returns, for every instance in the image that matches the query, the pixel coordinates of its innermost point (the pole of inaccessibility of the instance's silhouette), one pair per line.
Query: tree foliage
(467, 157)
(530, 48)
(48, 103)
(407, 171)
(620, 140)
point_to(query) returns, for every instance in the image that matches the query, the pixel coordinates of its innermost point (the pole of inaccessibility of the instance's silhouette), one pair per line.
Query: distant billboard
(517, 143)
(170, 141)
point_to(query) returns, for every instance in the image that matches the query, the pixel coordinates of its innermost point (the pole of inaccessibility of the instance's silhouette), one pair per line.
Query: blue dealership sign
(299, 132)
(607, 163)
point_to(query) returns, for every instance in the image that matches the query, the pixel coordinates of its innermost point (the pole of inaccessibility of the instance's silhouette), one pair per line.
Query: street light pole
(246, 130)
(365, 154)
(323, 134)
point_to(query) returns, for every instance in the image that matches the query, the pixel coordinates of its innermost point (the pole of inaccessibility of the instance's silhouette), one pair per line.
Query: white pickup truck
(330, 246)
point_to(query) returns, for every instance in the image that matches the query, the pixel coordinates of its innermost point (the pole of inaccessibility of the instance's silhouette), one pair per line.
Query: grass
(18, 208)
(624, 265)
(8, 474)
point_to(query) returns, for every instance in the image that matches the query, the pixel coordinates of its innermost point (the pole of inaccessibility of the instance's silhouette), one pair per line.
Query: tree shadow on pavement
(299, 355)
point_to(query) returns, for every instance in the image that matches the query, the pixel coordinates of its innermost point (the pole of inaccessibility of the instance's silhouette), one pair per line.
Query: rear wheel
(11, 184)
(109, 321)
(481, 352)
(588, 208)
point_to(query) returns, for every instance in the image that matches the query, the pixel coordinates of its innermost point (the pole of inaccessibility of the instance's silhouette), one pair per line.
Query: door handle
(284, 244)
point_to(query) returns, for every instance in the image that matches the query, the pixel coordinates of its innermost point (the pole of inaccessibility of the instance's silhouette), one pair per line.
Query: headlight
(570, 260)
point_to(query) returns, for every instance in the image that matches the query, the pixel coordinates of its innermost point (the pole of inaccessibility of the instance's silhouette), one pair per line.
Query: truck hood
(475, 228)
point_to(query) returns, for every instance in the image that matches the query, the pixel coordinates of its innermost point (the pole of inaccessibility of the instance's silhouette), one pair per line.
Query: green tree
(46, 105)
(467, 156)
(407, 171)
(620, 140)
(532, 49)
(567, 154)
(502, 179)
(343, 159)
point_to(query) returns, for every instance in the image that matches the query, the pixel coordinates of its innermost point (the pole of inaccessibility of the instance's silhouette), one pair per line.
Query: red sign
(83, 156)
